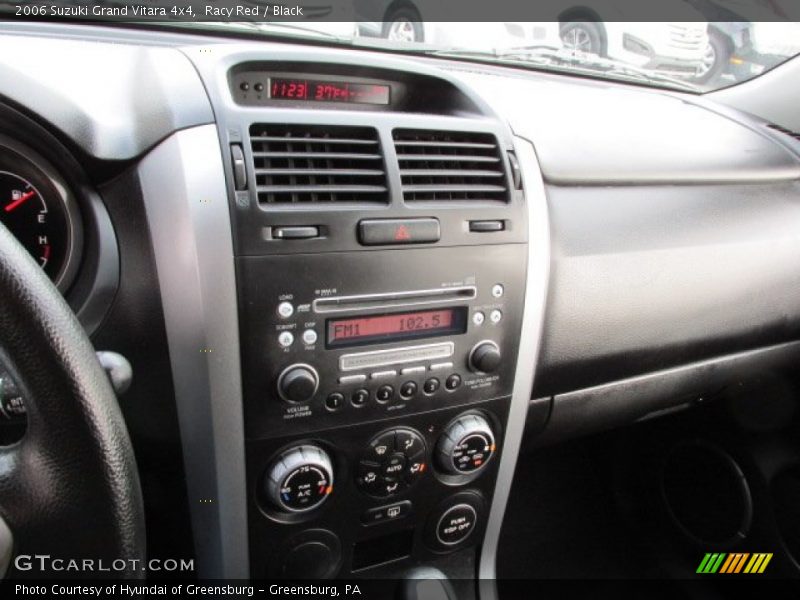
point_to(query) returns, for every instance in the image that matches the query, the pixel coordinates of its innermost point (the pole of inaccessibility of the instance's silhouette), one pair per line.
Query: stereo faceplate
(284, 324)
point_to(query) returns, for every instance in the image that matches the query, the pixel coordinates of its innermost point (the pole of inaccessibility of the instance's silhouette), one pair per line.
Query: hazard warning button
(383, 232)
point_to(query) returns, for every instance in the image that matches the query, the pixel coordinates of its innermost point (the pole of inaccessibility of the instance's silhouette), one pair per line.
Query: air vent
(305, 164)
(448, 165)
(785, 131)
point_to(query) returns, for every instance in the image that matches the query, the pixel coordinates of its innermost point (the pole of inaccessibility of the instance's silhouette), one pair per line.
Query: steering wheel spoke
(69, 487)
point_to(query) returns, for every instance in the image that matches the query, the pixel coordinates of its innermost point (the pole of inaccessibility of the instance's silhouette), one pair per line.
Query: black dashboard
(345, 289)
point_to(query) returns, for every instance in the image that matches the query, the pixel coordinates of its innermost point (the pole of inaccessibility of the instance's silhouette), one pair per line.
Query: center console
(376, 392)
(381, 244)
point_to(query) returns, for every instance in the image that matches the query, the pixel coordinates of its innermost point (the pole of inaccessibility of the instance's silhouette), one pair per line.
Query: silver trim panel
(442, 366)
(347, 379)
(183, 186)
(532, 324)
(394, 356)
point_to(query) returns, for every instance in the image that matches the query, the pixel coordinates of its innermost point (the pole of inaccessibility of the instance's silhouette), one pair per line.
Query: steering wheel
(69, 488)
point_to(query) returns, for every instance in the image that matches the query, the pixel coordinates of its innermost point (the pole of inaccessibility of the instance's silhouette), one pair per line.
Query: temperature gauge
(35, 205)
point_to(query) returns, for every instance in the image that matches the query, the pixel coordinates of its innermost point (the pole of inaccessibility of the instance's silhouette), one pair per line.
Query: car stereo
(395, 332)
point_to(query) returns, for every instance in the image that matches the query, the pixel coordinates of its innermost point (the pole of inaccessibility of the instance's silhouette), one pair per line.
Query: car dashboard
(352, 284)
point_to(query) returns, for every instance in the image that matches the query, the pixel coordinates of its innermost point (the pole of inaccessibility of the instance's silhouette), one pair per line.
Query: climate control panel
(419, 485)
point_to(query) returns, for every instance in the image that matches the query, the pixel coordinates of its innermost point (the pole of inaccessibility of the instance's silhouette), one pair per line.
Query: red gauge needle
(20, 200)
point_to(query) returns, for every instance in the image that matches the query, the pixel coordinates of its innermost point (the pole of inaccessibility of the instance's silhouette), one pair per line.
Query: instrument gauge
(37, 207)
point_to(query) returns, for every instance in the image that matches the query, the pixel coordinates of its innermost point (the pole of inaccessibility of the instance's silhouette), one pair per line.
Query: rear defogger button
(384, 232)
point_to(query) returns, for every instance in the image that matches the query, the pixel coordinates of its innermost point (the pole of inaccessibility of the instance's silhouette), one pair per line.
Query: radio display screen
(329, 91)
(381, 329)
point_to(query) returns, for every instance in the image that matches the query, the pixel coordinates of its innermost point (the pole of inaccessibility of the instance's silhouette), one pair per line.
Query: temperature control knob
(466, 445)
(298, 383)
(300, 479)
(485, 357)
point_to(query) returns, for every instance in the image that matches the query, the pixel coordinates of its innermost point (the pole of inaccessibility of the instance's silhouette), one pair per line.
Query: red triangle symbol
(402, 233)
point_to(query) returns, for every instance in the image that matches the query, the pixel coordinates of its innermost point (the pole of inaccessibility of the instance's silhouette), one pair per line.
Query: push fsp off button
(384, 232)
(456, 524)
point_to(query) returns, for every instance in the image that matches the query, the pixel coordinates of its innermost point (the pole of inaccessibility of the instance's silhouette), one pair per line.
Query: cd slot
(393, 299)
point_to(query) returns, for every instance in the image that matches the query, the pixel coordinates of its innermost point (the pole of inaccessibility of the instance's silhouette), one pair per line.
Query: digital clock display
(378, 329)
(329, 91)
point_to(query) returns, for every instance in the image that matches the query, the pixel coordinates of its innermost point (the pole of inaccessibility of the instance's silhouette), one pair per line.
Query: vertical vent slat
(310, 164)
(450, 165)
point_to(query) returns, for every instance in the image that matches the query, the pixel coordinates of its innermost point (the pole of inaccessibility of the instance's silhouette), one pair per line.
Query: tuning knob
(466, 445)
(300, 479)
(298, 383)
(485, 357)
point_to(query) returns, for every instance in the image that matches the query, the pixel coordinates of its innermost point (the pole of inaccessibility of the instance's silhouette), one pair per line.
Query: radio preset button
(495, 316)
(441, 366)
(431, 386)
(348, 379)
(285, 310)
(334, 401)
(285, 339)
(360, 397)
(384, 393)
(383, 374)
(453, 382)
(497, 290)
(478, 318)
(408, 390)
(309, 337)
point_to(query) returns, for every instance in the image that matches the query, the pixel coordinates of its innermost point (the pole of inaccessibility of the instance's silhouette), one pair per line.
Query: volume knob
(485, 357)
(298, 383)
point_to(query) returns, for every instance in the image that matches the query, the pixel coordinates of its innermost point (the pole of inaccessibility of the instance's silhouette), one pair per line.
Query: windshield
(688, 55)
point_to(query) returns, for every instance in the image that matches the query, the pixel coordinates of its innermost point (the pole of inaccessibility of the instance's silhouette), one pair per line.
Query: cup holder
(706, 494)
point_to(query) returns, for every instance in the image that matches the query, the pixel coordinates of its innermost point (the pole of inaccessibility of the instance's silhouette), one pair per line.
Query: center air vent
(449, 165)
(317, 164)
